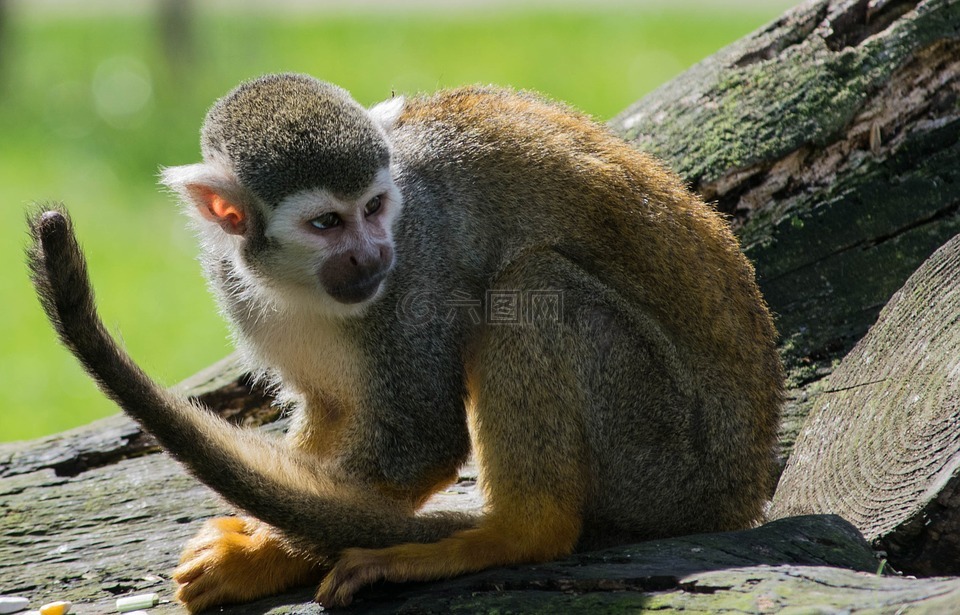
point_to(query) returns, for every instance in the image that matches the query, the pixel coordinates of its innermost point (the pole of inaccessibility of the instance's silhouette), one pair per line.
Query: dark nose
(371, 262)
(356, 275)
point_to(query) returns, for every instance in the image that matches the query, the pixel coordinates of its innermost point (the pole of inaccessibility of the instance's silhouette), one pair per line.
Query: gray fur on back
(287, 133)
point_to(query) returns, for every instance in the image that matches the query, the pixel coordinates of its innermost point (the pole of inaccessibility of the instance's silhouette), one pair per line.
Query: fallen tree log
(93, 534)
(116, 529)
(882, 447)
(830, 137)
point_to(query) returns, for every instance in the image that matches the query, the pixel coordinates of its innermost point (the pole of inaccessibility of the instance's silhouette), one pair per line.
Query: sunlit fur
(645, 406)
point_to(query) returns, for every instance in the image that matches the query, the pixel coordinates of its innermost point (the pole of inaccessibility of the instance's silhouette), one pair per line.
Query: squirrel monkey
(476, 269)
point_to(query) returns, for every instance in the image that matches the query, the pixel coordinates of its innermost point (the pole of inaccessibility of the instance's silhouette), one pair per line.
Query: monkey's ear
(216, 194)
(214, 206)
(387, 112)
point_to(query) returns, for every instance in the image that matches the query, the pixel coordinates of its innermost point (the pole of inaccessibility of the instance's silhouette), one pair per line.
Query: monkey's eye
(373, 205)
(328, 220)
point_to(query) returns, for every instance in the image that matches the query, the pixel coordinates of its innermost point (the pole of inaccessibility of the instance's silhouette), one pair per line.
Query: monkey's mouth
(358, 290)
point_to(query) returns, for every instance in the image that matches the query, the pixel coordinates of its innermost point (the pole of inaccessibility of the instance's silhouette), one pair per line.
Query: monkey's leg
(530, 445)
(234, 560)
(321, 507)
(237, 559)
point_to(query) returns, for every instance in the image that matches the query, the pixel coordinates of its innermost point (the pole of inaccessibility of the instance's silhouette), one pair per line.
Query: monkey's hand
(233, 560)
(354, 569)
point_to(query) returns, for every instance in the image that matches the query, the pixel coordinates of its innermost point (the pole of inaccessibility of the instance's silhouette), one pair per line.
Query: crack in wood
(949, 211)
(867, 243)
(921, 97)
(138, 445)
(697, 586)
(855, 386)
(864, 19)
(238, 400)
(799, 33)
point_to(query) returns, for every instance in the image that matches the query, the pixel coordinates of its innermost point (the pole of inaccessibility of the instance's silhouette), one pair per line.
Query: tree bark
(831, 139)
(882, 448)
(116, 530)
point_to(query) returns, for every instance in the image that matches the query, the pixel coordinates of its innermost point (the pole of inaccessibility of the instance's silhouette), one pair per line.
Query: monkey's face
(339, 246)
(295, 194)
(313, 247)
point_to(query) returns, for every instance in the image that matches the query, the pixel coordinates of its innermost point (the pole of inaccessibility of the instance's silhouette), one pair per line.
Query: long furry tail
(290, 491)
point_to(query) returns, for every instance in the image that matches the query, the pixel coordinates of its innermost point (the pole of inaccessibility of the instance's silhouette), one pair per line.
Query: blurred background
(97, 95)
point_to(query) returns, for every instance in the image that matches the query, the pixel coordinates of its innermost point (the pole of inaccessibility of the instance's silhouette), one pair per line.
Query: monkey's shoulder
(501, 114)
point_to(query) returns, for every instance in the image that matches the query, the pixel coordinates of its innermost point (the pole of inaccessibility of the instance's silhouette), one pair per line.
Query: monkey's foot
(493, 543)
(236, 560)
(354, 569)
(357, 568)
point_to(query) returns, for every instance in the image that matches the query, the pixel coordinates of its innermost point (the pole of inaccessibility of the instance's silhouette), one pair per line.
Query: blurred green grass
(89, 110)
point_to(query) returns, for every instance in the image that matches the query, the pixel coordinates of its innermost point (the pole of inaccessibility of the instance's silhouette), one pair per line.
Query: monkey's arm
(320, 510)
(530, 445)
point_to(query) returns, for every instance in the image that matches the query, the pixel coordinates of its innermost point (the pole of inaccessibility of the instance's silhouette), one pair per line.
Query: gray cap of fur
(286, 133)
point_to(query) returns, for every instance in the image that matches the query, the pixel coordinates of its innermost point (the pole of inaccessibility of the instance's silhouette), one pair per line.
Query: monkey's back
(553, 177)
(545, 177)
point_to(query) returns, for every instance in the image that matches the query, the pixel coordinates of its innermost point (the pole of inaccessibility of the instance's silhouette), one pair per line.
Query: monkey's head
(295, 189)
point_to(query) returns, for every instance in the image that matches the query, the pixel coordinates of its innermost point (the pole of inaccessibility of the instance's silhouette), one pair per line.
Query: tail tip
(49, 227)
(50, 221)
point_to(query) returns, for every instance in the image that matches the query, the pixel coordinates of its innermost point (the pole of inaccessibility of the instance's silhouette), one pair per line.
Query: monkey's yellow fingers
(200, 597)
(211, 533)
(355, 569)
(235, 560)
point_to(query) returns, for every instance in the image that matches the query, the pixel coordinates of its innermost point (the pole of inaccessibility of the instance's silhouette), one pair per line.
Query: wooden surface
(882, 447)
(116, 530)
(831, 137)
(102, 530)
